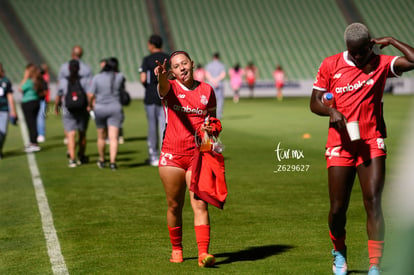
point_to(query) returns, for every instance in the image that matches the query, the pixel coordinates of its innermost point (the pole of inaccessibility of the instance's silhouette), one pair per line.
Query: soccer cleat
(72, 163)
(41, 139)
(176, 256)
(32, 148)
(121, 140)
(154, 163)
(101, 164)
(82, 160)
(206, 260)
(339, 266)
(374, 270)
(113, 166)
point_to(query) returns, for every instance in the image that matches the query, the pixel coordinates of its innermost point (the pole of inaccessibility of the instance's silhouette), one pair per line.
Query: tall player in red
(357, 78)
(187, 103)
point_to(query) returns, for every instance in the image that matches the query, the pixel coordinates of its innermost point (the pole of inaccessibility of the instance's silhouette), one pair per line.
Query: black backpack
(75, 98)
(124, 96)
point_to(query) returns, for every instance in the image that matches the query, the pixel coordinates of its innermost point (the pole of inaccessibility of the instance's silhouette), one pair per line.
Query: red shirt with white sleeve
(185, 112)
(357, 92)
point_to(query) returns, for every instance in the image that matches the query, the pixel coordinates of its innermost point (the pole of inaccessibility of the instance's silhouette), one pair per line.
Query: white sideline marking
(52, 241)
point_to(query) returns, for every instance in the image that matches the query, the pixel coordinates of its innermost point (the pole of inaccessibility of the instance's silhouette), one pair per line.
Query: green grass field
(114, 222)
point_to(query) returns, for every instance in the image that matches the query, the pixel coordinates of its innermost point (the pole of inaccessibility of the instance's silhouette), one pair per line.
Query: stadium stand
(12, 59)
(104, 28)
(266, 32)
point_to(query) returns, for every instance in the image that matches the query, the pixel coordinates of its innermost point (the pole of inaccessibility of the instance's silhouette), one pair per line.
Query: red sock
(203, 238)
(375, 250)
(339, 243)
(176, 237)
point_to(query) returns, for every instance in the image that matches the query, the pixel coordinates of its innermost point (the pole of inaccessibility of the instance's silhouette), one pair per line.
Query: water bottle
(328, 99)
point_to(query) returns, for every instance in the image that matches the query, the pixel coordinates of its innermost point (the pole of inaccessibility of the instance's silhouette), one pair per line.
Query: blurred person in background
(236, 80)
(251, 73)
(357, 79)
(152, 102)
(279, 78)
(200, 73)
(104, 100)
(215, 74)
(33, 88)
(41, 116)
(102, 63)
(73, 122)
(85, 71)
(7, 107)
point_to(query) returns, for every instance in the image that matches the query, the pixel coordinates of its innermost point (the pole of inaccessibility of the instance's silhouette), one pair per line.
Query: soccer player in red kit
(187, 103)
(357, 78)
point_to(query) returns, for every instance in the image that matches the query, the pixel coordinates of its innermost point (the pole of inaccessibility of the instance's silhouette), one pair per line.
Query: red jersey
(185, 112)
(358, 94)
(250, 75)
(279, 77)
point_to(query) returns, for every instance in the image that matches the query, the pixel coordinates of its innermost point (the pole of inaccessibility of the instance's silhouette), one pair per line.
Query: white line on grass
(52, 241)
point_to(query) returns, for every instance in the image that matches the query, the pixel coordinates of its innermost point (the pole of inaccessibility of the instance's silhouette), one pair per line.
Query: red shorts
(355, 153)
(251, 81)
(279, 84)
(180, 161)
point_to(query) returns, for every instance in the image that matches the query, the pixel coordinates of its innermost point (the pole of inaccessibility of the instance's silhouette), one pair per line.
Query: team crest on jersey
(4, 84)
(204, 100)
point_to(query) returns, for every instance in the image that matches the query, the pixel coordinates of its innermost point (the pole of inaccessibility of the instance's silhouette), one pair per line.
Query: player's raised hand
(161, 68)
(383, 41)
(162, 76)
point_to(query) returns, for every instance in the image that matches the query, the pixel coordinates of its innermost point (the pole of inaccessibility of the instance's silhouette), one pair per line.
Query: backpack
(124, 97)
(75, 98)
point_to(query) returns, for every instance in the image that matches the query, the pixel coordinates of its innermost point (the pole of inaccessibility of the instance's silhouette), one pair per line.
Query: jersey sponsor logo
(187, 109)
(355, 86)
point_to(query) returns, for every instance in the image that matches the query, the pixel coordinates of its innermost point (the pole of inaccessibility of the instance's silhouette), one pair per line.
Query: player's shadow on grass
(14, 153)
(130, 139)
(357, 271)
(238, 117)
(251, 254)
